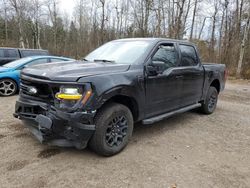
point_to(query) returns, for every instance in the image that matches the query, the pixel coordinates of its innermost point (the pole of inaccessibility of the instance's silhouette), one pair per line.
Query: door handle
(198, 74)
(140, 80)
(179, 77)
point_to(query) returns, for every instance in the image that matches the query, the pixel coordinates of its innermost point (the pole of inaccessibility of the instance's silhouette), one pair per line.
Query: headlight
(73, 94)
(69, 93)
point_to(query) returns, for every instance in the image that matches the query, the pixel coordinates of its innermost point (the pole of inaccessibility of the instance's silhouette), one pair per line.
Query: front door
(163, 89)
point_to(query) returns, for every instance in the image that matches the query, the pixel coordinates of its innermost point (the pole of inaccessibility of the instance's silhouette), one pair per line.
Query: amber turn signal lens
(86, 97)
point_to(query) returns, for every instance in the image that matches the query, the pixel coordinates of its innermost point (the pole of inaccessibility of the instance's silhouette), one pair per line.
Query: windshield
(17, 63)
(124, 52)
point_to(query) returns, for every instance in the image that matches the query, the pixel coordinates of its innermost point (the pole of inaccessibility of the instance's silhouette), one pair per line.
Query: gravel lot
(188, 150)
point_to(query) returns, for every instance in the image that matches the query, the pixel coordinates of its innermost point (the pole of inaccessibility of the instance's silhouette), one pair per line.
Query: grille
(29, 111)
(45, 92)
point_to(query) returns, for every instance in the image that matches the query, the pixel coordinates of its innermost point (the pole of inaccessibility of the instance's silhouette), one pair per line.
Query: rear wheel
(114, 127)
(8, 87)
(210, 103)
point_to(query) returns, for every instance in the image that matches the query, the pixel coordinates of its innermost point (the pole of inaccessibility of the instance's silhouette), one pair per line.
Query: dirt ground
(190, 150)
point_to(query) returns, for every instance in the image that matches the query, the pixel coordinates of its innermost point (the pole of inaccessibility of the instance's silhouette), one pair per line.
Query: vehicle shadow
(170, 124)
(141, 133)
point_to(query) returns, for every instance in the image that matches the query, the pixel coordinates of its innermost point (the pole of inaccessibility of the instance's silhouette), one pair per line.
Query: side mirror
(151, 70)
(155, 67)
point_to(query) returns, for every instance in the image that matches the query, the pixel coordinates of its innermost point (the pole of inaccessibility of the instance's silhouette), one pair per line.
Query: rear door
(193, 75)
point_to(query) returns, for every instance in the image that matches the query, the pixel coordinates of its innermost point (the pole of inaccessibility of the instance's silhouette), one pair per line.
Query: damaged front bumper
(56, 127)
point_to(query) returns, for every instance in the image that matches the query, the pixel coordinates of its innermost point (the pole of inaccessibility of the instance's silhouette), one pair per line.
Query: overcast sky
(67, 6)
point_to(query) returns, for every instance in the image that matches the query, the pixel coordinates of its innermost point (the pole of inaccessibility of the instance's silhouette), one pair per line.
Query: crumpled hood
(5, 69)
(72, 71)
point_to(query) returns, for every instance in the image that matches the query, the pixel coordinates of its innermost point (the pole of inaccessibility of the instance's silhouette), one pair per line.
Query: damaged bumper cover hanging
(55, 127)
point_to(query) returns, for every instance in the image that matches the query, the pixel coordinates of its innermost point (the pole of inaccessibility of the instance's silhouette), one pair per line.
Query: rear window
(189, 56)
(26, 53)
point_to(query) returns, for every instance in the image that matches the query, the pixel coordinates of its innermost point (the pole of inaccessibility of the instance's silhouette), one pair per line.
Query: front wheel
(8, 87)
(114, 127)
(210, 103)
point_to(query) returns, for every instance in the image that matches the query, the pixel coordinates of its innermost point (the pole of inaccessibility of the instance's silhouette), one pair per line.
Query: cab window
(188, 56)
(166, 55)
(56, 60)
(37, 62)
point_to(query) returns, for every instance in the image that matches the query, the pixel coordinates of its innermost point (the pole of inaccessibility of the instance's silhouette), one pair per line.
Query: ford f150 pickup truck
(95, 102)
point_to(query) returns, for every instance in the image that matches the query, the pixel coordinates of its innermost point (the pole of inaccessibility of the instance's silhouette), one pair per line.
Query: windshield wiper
(104, 60)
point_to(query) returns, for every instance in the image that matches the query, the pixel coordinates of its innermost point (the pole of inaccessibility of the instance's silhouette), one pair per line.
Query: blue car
(10, 72)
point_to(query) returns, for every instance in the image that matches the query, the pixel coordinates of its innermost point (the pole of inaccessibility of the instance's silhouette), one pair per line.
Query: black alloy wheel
(210, 103)
(116, 131)
(114, 126)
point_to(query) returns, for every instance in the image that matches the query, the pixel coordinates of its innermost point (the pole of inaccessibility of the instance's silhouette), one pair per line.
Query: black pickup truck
(95, 102)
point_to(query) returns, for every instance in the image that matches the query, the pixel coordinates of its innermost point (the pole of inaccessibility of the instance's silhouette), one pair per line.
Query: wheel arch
(10, 78)
(127, 101)
(216, 83)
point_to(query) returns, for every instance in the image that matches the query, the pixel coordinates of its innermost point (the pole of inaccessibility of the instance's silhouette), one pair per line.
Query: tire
(210, 103)
(114, 127)
(8, 87)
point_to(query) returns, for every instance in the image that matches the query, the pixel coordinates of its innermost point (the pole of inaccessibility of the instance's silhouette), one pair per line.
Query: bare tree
(213, 40)
(221, 31)
(5, 4)
(202, 27)
(193, 19)
(243, 46)
(19, 7)
(53, 13)
(180, 20)
(102, 19)
(35, 13)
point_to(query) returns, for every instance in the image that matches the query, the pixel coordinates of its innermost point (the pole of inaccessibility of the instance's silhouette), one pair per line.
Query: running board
(169, 114)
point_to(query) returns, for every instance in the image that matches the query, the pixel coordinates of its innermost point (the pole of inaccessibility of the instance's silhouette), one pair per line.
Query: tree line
(220, 28)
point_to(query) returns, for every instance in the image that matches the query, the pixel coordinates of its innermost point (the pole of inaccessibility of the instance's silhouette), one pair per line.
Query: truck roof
(155, 40)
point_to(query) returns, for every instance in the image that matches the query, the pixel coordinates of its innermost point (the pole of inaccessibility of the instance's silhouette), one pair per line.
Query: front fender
(123, 84)
(126, 91)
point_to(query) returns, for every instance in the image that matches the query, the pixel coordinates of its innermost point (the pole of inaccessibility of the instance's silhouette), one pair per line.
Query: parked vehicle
(10, 72)
(96, 102)
(11, 54)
